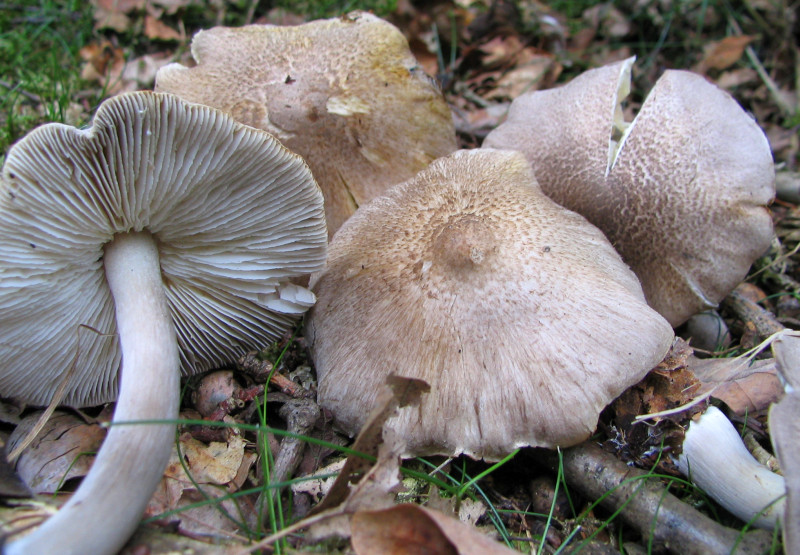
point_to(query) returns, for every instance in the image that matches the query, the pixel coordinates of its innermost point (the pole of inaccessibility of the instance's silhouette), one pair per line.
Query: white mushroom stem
(106, 508)
(716, 460)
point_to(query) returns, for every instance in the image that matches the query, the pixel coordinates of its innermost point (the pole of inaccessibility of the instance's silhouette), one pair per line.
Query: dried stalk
(651, 509)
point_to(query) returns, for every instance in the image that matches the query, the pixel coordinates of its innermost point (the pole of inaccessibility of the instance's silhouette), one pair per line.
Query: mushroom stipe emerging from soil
(518, 313)
(180, 225)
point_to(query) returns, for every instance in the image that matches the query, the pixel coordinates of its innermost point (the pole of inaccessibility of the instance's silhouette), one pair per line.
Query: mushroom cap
(234, 214)
(518, 313)
(680, 191)
(344, 93)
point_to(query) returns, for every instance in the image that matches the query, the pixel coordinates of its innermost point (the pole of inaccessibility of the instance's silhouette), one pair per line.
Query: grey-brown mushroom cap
(344, 93)
(681, 191)
(234, 214)
(517, 312)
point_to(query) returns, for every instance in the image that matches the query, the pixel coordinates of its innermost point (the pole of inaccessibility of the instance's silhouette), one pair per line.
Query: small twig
(746, 310)
(777, 97)
(58, 396)
(291, 529)
(35, 98)
(677, 410)
(300, 415)
(261, 370)
(761, 455)
(251, 10)
(652, 510)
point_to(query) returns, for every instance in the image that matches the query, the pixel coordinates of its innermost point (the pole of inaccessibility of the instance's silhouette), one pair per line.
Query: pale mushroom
(344, 93)
(680, 191)
(160, 239)
(784, 429)
(518, 313)
(716, 460)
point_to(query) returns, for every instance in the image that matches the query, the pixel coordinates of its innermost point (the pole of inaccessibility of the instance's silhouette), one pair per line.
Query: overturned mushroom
(716, 460)
(345, 93)
(160, 239)
(680, 191)
(518, 313)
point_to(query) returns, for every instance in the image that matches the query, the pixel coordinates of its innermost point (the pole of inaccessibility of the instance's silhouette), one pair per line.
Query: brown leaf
(63, 449)
(100, 58)
(215, 466)
(670, 384)
(608, 19)
(155, 29)
(112, 14)
(411, 529)
(736, 78)
(743, 386)
(724, 53)
(363, 485)
(107, 66)
(501, 51)
(523, 78)
(400, 392)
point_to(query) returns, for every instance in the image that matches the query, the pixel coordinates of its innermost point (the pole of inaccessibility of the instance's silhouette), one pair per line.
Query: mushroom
(518, 313)
(344, 93)
(680, 191)
(715, 459)
(160, 239)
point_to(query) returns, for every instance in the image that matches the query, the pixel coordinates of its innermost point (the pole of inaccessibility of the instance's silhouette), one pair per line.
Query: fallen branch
(651, 509)
(747, 311)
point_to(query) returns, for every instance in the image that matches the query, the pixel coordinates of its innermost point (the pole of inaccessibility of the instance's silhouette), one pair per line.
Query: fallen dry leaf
(112, 14)
(401, 392)
(501, 51)
(318, 484)
(106, 65)
(411, 529)
(363, 485)
(469, 510)
(735, 78)
(64, 449)
(215, 467)
(523, 78)
(724, 53)
(101, 58)
(156, 29)
(608, 19)
(744, 387)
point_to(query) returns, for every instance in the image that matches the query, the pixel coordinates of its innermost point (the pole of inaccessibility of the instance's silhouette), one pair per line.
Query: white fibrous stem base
(105, 510)
(716, 460)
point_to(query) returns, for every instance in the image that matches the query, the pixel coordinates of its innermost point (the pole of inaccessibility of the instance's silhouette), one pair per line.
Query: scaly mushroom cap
(680, 192)
(517, 312)
(234, 215)
(344, 93)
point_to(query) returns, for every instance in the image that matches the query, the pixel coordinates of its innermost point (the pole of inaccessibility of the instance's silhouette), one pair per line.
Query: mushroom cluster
(518, 313)
(681, 191)
(345, 93)
(163, 238)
